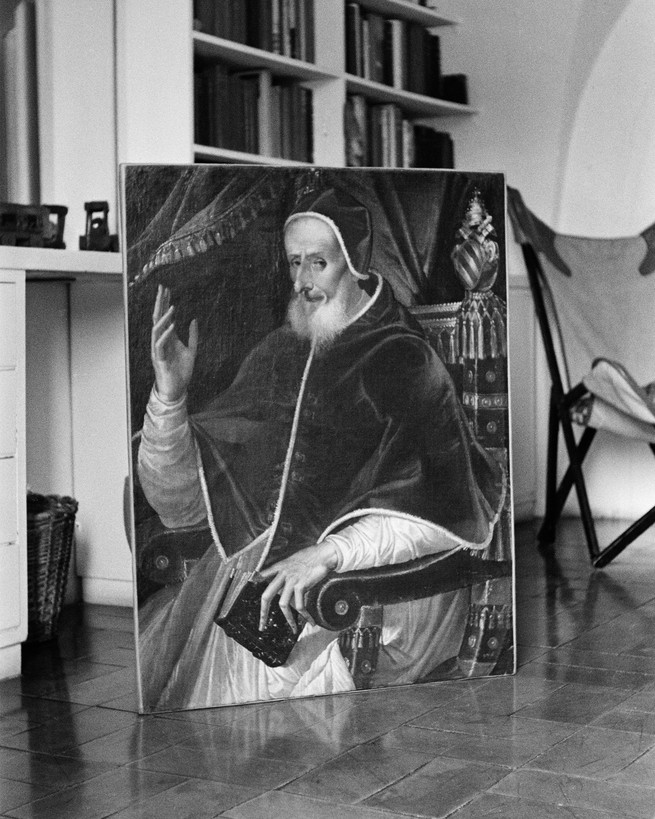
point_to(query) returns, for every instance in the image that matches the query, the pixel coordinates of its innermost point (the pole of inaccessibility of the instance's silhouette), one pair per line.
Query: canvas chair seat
(616, 402)
(594, 303)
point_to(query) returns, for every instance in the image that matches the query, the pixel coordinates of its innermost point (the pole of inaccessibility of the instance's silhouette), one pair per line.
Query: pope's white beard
(318, 321)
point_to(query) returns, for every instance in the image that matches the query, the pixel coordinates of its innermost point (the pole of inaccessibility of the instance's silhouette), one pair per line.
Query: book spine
(366, 49)
(399, 46)
(264, 114)
(376, 135)
(310, 31)
(301, 29)
(294, 38)
(276, 31)
(354, 39)
(275, 121)
(238, 32)
(285, 27)
(376, 47)
(433, 83)
(408, 150)
(356, 131)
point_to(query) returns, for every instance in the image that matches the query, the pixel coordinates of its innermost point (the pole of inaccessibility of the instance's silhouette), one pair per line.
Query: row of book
(253, 112)
(399, 53)
(283, 27)
(380, 136)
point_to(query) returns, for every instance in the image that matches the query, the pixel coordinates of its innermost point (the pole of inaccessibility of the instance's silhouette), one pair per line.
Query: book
(375, 131)
(433, 67)
(257, 117)
(395, 53)
(259, 24)
(374, 47)
(354, 45)
(204, 16)
(356, 131)
(276, 27)
(238, 21)
(285, 27)
(408, 147)
(433, 149)
(417, 45)
(455, 88)
(309, 29)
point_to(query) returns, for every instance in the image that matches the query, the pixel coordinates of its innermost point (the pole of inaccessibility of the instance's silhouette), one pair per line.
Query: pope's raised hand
(172, 360)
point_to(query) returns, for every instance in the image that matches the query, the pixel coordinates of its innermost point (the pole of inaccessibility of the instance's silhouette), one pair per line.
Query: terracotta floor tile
(641, 772)
(70, 731)
(14, 794)
(438, 788)
(225, 765)
(47, 771)
(594, 752)
(572, 792)
(510, 807)
(627, 719)
(575, 703)
(358, 773)
(193, 799)
(98, 797)
(291, 806)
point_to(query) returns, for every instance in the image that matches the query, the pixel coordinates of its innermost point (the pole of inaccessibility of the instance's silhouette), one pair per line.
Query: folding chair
(594, 302)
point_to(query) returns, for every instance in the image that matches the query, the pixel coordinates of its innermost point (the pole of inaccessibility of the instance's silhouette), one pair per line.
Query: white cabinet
(77, 420)
(13, 543)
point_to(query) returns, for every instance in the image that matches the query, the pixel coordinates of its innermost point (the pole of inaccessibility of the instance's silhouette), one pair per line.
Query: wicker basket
(50, 530)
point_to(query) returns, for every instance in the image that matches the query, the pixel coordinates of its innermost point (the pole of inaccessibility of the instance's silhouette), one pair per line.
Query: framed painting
(320, 497)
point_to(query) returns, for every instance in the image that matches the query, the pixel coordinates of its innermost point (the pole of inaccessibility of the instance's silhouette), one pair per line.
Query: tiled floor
(573, 734)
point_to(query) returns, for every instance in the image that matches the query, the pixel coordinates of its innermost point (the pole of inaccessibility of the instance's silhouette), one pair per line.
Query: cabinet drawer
(7, 324)
(10, 599)
(7, 413)
(8, 521)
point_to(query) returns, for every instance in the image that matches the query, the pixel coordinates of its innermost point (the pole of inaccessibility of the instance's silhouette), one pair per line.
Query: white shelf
(240, 55)
(39, 262)
(211, 154)
(408, 11)
(327, 77)
(416, 104)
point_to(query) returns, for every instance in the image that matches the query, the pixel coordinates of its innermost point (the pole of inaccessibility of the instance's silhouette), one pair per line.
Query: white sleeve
(167, 464)
(380, 540)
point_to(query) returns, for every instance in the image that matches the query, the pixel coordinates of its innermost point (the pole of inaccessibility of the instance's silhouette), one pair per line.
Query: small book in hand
(239, 612)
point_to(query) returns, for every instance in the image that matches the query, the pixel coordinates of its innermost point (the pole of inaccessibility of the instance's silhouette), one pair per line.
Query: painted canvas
(320, 497)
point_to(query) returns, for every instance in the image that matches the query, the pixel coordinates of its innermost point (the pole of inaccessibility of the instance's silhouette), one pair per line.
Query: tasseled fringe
(483, 329)
(441, 325)
(223, 228)
(446, 345)
(365, 638)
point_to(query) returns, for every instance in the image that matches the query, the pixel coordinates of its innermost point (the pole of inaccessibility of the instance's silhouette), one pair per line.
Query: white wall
(77, 108)
(608, 189)
(567, 108)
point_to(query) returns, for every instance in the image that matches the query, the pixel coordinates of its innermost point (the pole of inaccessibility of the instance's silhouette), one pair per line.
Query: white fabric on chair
(619, 403)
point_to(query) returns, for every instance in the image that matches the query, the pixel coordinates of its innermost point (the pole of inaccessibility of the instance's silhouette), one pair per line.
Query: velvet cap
(348, 218)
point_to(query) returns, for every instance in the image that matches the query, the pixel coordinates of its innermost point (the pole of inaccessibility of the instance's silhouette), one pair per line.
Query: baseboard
(10, 659)
(104, 592)
(524, 507)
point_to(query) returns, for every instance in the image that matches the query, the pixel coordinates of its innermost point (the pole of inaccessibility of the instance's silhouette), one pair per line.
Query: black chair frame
(562, 400)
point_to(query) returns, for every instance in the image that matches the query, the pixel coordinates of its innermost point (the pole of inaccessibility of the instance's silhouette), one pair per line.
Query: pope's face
(317, 265)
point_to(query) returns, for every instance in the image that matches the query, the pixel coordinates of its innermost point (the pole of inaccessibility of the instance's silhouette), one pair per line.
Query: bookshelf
(324, 79)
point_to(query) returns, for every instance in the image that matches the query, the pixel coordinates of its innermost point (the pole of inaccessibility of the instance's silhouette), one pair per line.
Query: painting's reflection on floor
(573, 733)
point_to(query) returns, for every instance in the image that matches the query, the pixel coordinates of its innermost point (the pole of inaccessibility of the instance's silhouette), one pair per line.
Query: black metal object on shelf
(32, 225)
(97, 236)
